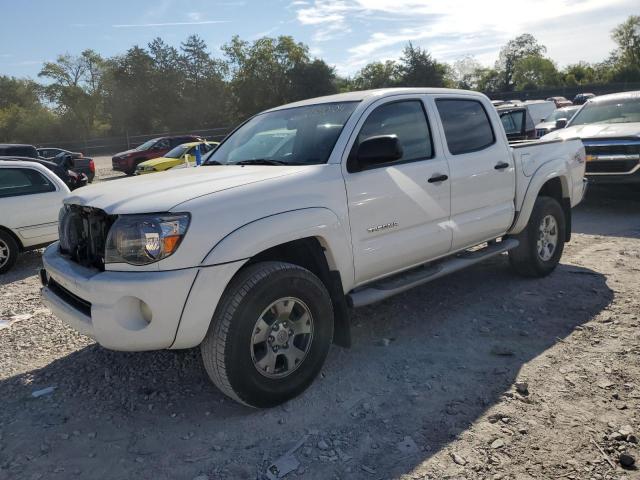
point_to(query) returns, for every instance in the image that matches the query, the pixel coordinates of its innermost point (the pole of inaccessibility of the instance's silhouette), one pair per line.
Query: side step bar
(387, 287)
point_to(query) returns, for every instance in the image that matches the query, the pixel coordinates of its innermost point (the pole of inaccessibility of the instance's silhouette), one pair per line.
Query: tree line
(158, 87)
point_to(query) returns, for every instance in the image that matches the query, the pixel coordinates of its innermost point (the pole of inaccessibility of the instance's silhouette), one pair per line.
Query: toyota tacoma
(302, 213)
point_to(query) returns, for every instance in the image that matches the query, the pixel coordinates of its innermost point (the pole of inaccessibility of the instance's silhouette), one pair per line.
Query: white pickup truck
(302, 213)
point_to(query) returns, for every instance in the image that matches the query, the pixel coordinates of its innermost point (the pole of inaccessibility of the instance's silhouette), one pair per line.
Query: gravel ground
(480, 375)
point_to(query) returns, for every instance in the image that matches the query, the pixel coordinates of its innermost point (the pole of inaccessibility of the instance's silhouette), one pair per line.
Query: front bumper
(615, 178)
(120, 165)
(134, 311)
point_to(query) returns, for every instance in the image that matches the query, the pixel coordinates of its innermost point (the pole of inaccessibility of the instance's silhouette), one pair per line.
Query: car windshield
(146, 145)
(618, 110)
(177, 152)
(294, 136)
(563, 113)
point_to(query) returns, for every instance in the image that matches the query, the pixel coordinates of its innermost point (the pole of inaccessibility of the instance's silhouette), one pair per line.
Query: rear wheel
(542, 241)
(270, 334)
(9, 250)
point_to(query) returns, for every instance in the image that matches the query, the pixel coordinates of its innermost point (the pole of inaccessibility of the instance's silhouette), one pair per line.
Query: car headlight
(145, 239)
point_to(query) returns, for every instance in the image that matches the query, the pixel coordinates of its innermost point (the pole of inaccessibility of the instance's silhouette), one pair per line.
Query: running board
(401, 282)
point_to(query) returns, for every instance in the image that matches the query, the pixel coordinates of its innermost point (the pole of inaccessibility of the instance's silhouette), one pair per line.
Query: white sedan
(30, 199)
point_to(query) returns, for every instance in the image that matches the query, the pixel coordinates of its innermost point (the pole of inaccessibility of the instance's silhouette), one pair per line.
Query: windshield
(563, 113)
(177, 152)
(294, 136)
(146, 145)
(619, 110)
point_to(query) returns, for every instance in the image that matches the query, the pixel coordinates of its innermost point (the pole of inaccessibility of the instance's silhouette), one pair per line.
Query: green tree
(377, 75)
(489, 80)
(76, 88)
(522, 46)
(626, 58)
(264, 73)
(130, 98)
(534, 72)
(204, 101)
(417, 68)
(22, 114)
(627, 36)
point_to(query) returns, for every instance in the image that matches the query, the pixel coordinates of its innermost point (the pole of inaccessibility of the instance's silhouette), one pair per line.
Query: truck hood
(162, 191)
(596, 130)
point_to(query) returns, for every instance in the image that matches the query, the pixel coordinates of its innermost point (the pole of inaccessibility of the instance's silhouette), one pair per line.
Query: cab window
(466, 125)
(406, 120)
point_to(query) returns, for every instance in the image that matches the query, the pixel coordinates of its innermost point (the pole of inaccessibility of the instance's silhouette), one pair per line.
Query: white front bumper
(134, 311)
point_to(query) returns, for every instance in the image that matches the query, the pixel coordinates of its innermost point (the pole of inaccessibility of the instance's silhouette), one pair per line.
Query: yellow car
(175, 157)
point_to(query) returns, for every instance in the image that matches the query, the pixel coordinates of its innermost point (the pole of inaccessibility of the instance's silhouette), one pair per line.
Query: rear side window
(407, 121)
(23, 181)
(512, 122)
(466, 125)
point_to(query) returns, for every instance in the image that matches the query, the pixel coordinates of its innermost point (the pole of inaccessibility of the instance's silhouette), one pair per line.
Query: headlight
(144, 239)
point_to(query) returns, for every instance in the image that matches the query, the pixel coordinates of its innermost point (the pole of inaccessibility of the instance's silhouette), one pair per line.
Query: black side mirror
(378, 150)
(561, 123)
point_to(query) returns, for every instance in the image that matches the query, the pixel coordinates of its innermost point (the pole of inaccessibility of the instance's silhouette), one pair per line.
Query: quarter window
(466, 124)
(23, 181)
(407, 121)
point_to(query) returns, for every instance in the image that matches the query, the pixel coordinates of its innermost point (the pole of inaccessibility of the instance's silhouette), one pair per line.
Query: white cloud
(453, 28)
(168, 24)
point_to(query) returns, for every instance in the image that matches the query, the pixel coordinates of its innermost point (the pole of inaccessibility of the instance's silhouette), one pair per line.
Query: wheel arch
(13, 235)
(312, 238)
(552, 184)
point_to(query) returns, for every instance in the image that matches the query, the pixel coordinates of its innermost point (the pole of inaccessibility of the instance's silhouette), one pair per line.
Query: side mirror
(561, 123)
(378, 150)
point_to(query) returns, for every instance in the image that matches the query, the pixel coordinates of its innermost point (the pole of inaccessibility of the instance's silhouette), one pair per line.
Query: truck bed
(531, 155)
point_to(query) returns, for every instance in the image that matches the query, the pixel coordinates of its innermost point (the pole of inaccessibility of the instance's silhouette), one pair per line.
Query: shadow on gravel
(609, 211)
(424, 365)
(28, 264)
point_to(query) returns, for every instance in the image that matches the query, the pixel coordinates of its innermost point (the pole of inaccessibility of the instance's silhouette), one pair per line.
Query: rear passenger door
(482, 171)
(398, 217)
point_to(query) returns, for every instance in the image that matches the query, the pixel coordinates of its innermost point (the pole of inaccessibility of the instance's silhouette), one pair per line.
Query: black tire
(227, 348)
(526, 259)
(10, 248)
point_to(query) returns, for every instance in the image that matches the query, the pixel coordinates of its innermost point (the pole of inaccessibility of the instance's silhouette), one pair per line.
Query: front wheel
(542, 241)
(270, 334)
(8, 252)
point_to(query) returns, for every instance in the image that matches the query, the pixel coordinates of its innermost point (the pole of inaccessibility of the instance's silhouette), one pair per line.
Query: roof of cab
(361, 95)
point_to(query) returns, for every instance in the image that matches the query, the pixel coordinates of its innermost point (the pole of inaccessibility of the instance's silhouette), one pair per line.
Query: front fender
(267, 232)
(545, 173)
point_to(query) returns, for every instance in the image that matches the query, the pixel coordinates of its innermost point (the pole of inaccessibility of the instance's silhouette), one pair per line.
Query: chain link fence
(568, 92)
(111, 145)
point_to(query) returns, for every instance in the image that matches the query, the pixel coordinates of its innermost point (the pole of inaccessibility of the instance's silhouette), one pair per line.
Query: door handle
(438, 178)
(501, 165)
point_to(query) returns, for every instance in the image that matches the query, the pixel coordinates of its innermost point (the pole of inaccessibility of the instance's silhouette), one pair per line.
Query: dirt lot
(428, 390)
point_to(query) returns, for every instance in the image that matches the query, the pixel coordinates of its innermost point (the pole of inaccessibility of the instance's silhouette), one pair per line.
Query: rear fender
(545, 173)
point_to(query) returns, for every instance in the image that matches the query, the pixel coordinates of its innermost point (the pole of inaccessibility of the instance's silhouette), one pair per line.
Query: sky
(347, 34)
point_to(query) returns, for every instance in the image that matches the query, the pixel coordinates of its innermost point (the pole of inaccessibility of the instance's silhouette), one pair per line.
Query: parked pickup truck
(258, 255)
(609, 127)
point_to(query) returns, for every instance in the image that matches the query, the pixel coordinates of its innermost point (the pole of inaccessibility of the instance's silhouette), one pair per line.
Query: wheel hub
(547, 238)
(4, 253)
(282, 337)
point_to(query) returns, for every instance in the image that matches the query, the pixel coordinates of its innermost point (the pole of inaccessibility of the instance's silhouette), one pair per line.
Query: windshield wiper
(261, 161)
(212, 162)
